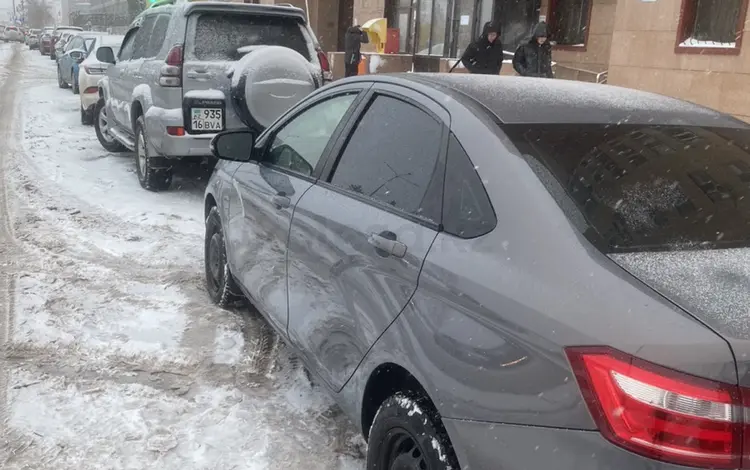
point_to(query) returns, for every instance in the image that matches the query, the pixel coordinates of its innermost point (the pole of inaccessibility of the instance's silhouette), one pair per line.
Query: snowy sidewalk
(115, 358)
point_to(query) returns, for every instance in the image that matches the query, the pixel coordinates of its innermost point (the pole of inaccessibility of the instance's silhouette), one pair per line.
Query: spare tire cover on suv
(268, 81)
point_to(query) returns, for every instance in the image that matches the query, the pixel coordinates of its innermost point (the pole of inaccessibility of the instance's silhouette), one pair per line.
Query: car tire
(75, 83)
(407, 433)
(220, 284)
(60, 82)
(101, 123)
(152, 179)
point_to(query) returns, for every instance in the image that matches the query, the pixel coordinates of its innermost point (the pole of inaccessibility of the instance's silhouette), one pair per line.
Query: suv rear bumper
(174, 146)
(185, 146)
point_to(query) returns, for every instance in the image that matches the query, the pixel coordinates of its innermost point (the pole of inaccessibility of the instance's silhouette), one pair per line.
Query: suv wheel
(407, 433)
(101, 125)
(60, 82)
(153, 179)
(220, 284)
(75, 82)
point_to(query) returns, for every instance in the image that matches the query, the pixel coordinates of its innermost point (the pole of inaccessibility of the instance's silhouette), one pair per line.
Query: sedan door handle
(385, 244)
(281, 202)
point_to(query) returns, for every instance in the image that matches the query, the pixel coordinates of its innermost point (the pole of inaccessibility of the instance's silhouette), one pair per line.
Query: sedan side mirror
(105, 55)
(234, 145)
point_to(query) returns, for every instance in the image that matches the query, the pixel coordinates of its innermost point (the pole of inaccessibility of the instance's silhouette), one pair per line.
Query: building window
(711, 26)
(400, 15)
(569, 22)
(432, 27)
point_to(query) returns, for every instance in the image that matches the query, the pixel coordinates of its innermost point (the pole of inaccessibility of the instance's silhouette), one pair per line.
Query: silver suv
(172, 86)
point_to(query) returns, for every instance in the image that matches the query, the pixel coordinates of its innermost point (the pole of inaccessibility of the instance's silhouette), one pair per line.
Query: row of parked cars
(485, 272)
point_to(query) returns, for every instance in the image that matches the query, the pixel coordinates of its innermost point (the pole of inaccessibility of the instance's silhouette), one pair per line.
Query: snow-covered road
(113, 357)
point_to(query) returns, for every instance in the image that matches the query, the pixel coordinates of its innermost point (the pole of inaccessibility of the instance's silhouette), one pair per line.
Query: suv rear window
(219, 35)
(645, 188)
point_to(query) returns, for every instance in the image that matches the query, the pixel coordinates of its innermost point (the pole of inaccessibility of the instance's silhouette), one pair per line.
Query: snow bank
(691, 42)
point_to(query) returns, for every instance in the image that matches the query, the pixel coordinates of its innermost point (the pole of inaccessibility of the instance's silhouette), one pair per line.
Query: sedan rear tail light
(95, 70)
(660, 413)
(171, 71)
(91, 90)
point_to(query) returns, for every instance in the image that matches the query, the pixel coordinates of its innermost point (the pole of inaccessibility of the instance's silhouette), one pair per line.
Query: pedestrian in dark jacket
(534, 59)
(485, 55)
(353, 41)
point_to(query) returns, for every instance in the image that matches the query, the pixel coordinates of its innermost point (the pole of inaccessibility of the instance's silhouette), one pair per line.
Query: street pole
(14, 12)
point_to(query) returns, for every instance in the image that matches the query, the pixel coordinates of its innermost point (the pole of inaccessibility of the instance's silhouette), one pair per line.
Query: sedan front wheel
(220, 284)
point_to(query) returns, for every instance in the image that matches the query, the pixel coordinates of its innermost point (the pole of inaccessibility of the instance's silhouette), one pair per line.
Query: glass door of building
(517, 19)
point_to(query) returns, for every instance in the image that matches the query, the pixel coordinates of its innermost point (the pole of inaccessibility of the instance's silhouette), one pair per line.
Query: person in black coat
(534, 59)
(353, 41)
(485, 55)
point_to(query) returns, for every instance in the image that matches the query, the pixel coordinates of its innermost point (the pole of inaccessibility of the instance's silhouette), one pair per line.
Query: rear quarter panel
(485, 331)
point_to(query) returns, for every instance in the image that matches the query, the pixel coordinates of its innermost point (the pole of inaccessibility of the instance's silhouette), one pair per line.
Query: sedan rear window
(645, 188)
(220, 35)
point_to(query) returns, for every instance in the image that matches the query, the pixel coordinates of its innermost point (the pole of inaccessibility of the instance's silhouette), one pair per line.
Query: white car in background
(91, 71)
(12, 33)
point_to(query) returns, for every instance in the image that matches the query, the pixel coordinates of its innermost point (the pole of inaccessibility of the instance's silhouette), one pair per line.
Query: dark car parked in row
(502, 273)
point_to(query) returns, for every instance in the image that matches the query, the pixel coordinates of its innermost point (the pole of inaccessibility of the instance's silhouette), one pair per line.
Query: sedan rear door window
(393, 156)
(646, 187)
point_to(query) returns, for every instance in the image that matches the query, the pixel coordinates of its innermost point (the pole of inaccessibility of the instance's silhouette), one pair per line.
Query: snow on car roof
(541, 100)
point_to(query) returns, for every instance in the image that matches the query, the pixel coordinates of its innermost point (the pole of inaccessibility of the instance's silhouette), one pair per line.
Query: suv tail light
(323, 59)
(660, 413)
(171, 71)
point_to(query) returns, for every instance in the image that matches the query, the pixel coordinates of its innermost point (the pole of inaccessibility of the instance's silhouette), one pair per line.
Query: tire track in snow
(8, 248)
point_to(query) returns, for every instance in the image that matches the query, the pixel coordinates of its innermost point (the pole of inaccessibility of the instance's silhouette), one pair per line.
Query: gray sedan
(501, 273)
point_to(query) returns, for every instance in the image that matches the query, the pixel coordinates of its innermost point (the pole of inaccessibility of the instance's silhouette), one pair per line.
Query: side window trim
(268, 137)
(149, 29)
(150, 54)
(129, 37)
(337, 151)
(452, 138)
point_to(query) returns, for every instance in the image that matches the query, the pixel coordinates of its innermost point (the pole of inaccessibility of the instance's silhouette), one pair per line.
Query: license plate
(207, 119)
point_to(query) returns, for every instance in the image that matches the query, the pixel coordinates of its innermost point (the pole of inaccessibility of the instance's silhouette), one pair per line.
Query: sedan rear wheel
(407, 434)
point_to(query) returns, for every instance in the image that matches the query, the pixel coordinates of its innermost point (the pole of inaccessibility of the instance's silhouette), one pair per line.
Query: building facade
(690, 49)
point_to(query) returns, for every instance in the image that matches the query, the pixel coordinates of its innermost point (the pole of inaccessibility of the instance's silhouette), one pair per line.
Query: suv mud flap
(161, 163)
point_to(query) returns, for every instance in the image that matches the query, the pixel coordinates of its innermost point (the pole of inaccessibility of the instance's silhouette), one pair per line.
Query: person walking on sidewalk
(534, 59)
(485, 55)
(353, 41)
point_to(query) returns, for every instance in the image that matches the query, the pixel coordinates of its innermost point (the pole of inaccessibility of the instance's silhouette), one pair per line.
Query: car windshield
(219, 36)
(646, 187)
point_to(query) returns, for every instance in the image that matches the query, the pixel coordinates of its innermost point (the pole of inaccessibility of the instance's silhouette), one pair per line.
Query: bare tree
(38, 13)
